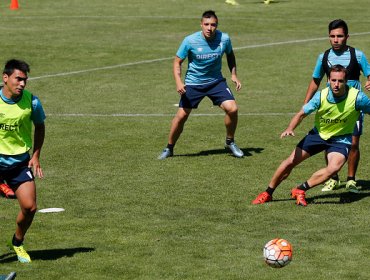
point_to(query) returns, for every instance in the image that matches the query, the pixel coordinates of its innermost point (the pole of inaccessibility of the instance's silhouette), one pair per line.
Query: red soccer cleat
(6, 191)
(262, 198)
(300, 195)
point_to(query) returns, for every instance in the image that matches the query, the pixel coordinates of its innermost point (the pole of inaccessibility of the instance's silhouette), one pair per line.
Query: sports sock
(229, 140)
(270, 190)
(304, 187)
(351, 178)
(16, 242)
(170, 146)
(335, 177)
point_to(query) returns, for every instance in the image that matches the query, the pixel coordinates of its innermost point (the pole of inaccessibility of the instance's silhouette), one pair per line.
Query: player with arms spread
(204, 51)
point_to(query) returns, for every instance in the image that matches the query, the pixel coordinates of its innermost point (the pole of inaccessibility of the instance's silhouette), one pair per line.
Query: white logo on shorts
(29, 174)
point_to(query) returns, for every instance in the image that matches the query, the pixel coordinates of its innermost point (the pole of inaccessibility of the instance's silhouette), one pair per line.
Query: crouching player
(337, 110)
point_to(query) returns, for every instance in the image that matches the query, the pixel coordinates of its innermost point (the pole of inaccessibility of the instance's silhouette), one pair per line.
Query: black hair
(15, 64)
(209, 14)
(338, 23)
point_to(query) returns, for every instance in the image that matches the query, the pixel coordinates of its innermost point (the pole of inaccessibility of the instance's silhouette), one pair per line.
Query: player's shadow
(338, 197)
(50, 254)
(247, 152)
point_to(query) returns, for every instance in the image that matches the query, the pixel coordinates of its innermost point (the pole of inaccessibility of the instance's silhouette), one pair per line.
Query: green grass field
(103, 71)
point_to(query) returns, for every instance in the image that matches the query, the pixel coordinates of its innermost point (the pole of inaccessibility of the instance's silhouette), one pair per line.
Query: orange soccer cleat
(262, 198)
(300, 195)
(6, 191)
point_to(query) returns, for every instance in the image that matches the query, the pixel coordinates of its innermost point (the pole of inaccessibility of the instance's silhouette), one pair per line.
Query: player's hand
(238, 84)
(181, 88)
(367, 85)
(287, 133)
(35, 164)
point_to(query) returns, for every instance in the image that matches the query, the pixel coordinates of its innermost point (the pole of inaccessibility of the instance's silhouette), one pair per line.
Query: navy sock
(16, 242)
(335, 177)
(229, 141)
(170, 146)
(270, 190)
(351, 178)
(304, 187)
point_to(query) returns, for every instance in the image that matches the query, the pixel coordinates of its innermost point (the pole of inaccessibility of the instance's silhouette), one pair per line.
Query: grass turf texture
(130, 216)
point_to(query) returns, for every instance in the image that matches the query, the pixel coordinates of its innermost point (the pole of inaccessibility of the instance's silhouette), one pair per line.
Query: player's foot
(234, 149)
(268, 1)
(331, 185)
(22, 255)
(6, 191)
(300, 195)
(232, 2)
(10, 276)
(262, 198)
(165, 154)
(351, 186)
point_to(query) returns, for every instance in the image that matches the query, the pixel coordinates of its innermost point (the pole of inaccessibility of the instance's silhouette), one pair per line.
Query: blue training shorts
(218, 92)
(313, 144)
(14, 177)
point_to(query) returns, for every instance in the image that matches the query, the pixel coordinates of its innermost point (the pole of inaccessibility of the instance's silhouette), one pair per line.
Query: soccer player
(337, 110)
(20, 109)
(355, 61)
(204, 50)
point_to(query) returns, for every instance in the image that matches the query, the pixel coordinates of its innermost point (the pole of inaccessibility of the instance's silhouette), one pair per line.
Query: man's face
(209, 26)
(15, 83)
(338, 83)
(338, 39)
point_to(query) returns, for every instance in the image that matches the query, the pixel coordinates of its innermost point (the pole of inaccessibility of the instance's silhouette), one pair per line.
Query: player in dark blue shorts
(21, 111)
(338, 108)
(204, 50)
(355, 62)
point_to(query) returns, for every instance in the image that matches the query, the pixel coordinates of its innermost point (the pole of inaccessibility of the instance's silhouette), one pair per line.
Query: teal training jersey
(204, 57)
(343, 59)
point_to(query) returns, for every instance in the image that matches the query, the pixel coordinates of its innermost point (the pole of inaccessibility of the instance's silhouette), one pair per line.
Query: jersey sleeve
(229, 46)
(183, 50)
(318, 71)
(363, 102)
(38, 114)
(312, 105)
(362, 61)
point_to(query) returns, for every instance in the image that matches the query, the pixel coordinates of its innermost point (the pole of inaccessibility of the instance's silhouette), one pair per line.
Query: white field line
(163, 115)
(170, 58)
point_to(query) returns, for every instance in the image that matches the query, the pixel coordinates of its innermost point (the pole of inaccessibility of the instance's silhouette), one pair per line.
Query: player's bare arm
(296, 120)
(180, 86)
(312, 88)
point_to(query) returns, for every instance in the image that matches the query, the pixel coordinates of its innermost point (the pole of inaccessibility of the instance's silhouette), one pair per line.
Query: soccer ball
(277, 252)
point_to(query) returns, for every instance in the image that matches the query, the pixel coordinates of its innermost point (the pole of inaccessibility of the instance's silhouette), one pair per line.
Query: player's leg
(190, 100)
(177, 126)
(282, 172)
(26, 195)
(335, 163)
(221, 95)
(354, 156)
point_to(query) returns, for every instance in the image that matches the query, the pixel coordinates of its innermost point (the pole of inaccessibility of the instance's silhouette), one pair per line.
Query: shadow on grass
(50, 254)
(343, 197)
(247, 152)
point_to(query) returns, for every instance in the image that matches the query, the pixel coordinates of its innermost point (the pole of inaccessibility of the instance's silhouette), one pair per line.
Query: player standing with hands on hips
(355, 61)
(19, 111)
(204, 50)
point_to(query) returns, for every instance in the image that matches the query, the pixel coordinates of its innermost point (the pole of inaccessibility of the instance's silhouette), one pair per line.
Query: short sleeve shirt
(204, 57)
